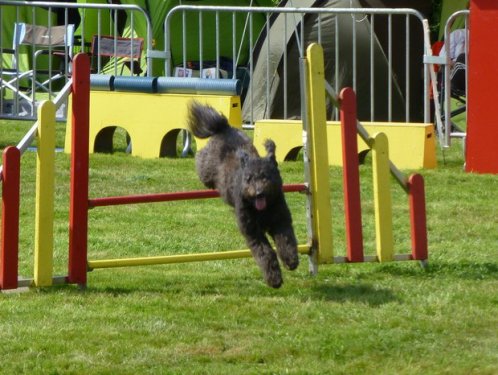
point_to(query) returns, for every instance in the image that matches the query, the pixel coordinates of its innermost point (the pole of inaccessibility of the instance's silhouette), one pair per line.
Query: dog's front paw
(288, 255)
(271, 270)
(291, 262)
(274, 278)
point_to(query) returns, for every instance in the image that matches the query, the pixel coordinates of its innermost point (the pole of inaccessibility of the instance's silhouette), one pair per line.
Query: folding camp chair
(451, 84)
(127, 50)
(52, 41)
(456, 86)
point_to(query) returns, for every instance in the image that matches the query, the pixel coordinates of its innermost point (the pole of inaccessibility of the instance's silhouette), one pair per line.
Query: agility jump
(10, 172)
(318, 246)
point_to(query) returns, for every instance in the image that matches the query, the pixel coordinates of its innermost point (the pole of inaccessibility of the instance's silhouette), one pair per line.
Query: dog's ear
(270, 150)
(243, 157)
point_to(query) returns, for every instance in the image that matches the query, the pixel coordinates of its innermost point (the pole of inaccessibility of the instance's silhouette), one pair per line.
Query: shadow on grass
(74, 289)
(361, 293)
(190, 283)
(250, 285)
(235, 288)
(459, 270)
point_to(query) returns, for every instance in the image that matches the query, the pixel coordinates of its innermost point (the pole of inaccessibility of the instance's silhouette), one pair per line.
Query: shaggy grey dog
(250, 184)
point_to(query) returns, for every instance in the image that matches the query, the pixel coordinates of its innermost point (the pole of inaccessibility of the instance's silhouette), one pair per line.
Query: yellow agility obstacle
(152, 120)
(411, 145)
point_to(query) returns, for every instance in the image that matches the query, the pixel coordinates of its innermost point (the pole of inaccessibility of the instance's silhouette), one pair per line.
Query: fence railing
(377, 52)
(450, 67)
(31, 71)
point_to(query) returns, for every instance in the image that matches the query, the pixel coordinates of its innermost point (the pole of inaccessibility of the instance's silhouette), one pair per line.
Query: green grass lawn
(220, 318)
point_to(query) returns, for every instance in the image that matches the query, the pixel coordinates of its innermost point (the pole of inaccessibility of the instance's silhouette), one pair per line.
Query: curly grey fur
(250, 184)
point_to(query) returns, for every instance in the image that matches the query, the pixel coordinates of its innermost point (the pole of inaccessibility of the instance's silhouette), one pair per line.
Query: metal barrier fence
(378, 52)
(32, 69)
(452, 66)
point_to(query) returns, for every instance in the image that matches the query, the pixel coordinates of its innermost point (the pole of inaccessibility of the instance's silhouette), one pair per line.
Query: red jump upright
(418, 217)
(482, 93)
(78, 211)
(351, 176)
(9, 245)
(414, 186)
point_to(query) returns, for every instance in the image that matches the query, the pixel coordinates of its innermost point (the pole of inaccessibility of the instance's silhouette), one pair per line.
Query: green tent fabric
(449, 7)
(209, 27)
(89, 27)
(157, 11)
(258, 105)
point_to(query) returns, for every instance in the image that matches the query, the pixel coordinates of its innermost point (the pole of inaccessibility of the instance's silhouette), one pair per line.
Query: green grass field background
(220, 318)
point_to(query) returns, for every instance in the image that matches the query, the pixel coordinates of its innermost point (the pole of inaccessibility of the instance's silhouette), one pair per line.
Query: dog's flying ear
(243, 157)
(270, 150)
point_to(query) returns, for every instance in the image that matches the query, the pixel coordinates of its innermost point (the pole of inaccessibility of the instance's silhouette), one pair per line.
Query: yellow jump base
(411, 145)
(152, 121)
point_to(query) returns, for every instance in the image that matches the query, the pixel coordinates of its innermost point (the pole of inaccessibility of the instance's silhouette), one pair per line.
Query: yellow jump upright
(44, 215)
(317, 151)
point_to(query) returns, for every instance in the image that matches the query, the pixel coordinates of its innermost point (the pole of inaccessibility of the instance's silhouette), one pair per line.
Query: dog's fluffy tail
(204, 121)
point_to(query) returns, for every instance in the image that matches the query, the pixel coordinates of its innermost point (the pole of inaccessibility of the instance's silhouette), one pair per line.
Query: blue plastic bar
(102, 82)
(175, 85)
(165, 85)
(135, 84)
